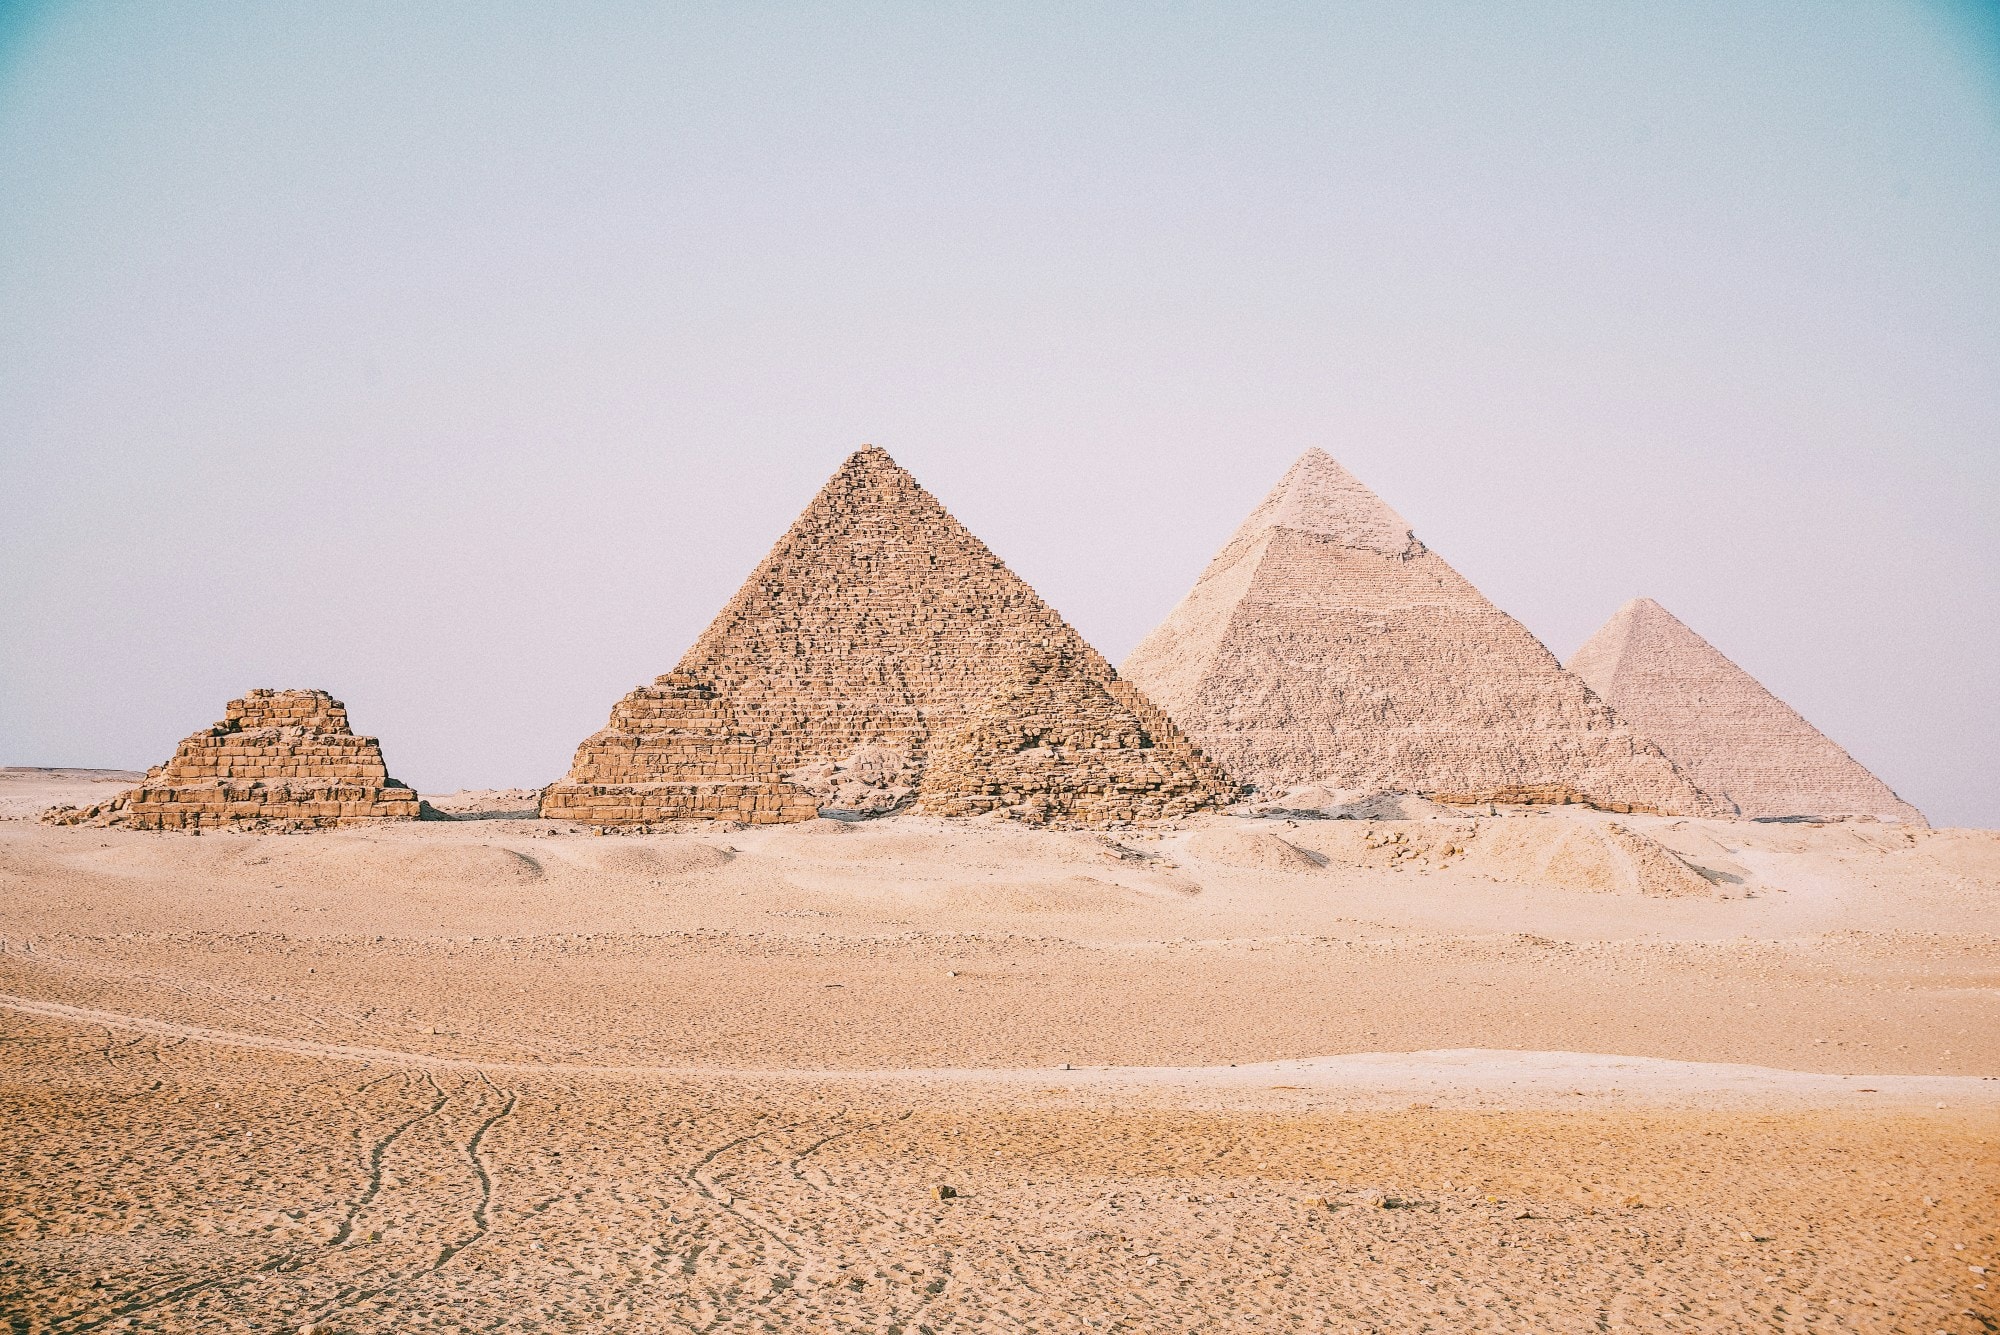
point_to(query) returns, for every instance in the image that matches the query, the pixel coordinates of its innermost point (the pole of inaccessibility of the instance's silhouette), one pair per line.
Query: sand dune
(25, 793)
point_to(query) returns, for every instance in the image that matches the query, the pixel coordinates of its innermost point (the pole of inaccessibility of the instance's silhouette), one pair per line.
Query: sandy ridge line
(1523, 1078)
(53, 1010)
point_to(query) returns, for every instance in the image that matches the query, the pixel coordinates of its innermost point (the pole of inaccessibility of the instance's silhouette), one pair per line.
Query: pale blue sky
(462, 359)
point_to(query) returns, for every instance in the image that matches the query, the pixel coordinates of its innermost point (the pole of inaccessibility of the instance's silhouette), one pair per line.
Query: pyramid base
(1079, 809)
(1542, 795)
(246, 806)
(629, 804)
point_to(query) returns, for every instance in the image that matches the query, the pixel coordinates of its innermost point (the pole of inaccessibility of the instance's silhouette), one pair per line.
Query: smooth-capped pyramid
(1724, 730)
(1326, 645)
(278, 759)
(880, 638)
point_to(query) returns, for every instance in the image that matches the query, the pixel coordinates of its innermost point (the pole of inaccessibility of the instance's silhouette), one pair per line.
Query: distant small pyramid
(1721, 726)
(278, 759)
(1326, 645)
(875, 629)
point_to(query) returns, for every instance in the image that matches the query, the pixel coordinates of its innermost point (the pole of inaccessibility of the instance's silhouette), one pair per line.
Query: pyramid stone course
(1722, 726)
(675, 744)
(277, 759)
(1325, 644)
(873, 631)
(1059, 742)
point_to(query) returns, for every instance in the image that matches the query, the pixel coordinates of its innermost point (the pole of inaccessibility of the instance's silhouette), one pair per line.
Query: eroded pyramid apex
(871, 455)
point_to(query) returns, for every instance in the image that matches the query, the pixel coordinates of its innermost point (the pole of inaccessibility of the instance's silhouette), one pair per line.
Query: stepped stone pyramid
(278, 759)
(880, 652)
(1055, 742)
(1326, 645)
(1721, 726)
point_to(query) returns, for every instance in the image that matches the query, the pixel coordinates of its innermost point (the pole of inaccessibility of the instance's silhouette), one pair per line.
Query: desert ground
(1542, 1071)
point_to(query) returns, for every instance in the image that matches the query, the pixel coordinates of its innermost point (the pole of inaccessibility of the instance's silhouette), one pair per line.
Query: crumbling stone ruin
(674, 751)
(878, 640)
(1325, 645)
(1055, 743)
(1721, 726)
(278, 759)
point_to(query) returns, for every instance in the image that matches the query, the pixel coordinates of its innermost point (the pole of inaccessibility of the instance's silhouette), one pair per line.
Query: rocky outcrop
(1325, 645)
(278, 760)
(1721, 726)
(871, 636)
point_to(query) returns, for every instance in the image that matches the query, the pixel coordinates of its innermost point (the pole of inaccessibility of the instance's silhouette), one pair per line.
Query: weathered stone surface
(875, 628)
(278, 759)
(1060, 741)
(870, 781)
(674, 751)
(1326, 645)
(1721, 726)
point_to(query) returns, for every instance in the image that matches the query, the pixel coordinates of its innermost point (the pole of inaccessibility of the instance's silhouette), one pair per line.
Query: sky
(462, 360)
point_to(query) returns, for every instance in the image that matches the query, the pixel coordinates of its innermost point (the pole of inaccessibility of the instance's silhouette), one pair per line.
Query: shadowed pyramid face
(877, 621)
(1326, 645)
(1721, 726)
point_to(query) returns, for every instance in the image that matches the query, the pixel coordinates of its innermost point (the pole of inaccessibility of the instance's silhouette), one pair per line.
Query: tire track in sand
(480, 1173)
(375, 1156)
(150, 1298)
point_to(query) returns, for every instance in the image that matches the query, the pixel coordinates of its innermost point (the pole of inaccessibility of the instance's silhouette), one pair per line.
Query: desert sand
(1547, 1071)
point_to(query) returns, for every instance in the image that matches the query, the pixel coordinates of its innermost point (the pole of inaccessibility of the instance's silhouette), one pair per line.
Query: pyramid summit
(1722, 727)
(878, 635)
(277, 759)
(1326, 645)
(1316, 495)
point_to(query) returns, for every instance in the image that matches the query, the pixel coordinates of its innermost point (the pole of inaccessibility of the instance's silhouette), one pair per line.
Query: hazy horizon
(464, 369)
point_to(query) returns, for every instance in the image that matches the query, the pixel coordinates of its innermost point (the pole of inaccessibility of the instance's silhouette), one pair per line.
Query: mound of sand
(1252, 849)
(1590, 854)
(681, 858)
(1598, 857)
(26, 792)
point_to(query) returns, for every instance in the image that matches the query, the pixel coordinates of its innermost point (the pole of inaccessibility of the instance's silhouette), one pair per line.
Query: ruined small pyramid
(867, 640)
(1056, 743)
(278, 759)
(1326, 645)
(1721, 726)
